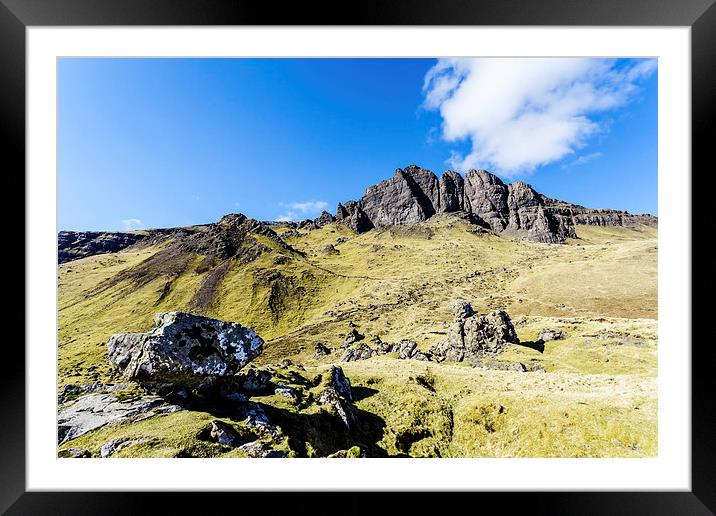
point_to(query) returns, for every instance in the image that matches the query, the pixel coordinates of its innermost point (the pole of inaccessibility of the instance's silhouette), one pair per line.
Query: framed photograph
(262, 243)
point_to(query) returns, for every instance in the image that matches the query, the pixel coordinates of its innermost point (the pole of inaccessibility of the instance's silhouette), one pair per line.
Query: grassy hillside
(597, 397)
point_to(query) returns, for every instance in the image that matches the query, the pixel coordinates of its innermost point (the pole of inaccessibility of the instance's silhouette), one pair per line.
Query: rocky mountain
(231, 237)
(412, 195)
(78, 244)
(415, 194)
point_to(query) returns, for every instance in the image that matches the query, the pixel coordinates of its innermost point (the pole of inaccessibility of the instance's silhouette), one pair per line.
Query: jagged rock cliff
(412, 195)
(415, 194)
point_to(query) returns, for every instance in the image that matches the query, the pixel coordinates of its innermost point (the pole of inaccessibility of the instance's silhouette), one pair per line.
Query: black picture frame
(17, 15)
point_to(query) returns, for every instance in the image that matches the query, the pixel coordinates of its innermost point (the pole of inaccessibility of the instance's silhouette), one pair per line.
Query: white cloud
(307, 206)
(521, 113)
(583, 159)
(297, 210)
(130, 224)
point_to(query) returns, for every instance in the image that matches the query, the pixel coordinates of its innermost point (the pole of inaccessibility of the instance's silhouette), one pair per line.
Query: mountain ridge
(415, 194)
(412, 195)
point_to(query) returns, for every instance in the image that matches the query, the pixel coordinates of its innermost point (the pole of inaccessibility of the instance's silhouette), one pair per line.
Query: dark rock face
(408, 197)
(307, 224)
(72, 245)
(415, 194)
(354, 217)
(452, 192)
(184, 349)
(527, 212)
(486, 197)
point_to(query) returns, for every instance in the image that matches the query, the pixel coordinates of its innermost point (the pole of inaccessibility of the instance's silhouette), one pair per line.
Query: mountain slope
(596, 398)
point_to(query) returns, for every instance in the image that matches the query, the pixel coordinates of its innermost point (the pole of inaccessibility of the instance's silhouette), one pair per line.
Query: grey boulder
(475, 335)
(184, 348)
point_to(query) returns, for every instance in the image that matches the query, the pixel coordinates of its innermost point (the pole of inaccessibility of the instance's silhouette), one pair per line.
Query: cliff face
(415, 194)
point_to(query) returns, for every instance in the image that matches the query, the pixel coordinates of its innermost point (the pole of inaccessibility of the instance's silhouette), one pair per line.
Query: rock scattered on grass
(321, 350)
(548, 335)
(115, 445)
(471, 335)
(224, 433)
(74, 453)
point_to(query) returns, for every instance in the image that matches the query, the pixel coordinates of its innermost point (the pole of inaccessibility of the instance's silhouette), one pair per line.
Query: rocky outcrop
(415, 194)
(410, 196)
(471, 335)
(116, 445)
(341, 383)
(259, 450)
(360, 352)
(351, 337)
(183, 348)
(340, 405)
(486, 197)
(72, 245)
(324, 218)
(598, 217)
(74, 453)
(353, 216)
(232, 237)
(405, 349)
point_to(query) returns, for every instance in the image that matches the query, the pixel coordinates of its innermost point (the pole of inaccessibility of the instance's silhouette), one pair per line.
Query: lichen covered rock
(183, 348)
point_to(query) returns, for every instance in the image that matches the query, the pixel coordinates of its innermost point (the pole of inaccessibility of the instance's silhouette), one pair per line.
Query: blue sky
(167, 142)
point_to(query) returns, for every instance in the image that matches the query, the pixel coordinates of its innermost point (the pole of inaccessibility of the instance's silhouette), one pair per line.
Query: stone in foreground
(183, 348)
(95, 410)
